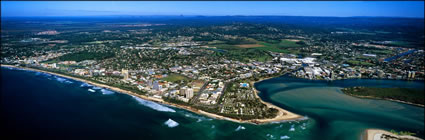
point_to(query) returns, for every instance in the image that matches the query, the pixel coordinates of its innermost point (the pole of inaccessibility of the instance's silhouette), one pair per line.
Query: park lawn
(197, 84)
(175, 77)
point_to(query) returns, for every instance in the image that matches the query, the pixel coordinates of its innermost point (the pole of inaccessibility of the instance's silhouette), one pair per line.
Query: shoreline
(386, 99)
(419, 80)
(375, 134)
(283, 115)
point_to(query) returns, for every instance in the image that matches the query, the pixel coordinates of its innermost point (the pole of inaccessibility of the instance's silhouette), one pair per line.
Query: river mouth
(339, 116)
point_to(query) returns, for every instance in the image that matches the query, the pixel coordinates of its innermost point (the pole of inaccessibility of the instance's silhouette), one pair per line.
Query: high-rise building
(413, 74)
(156, 85)
(150, 83)
(183, 91)
(189, 93)
(124, 72)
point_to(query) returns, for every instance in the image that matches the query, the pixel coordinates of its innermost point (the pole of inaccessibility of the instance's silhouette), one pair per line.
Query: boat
(91, 90)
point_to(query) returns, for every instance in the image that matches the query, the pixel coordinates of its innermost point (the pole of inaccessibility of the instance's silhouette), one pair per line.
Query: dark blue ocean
(41, 106)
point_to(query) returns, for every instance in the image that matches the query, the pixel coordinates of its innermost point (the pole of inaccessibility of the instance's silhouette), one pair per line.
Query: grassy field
(197, 84)
(175, 77)
(215, 42)
(284, 46)
(403, 94)
(243, 54)
(250, 45)
(258, 51)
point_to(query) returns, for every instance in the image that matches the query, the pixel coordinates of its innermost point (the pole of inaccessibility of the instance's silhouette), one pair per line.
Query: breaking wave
(303, 126)
(284, 137)
(106, 92)
(292, 128)
(97, 88)
(63, 80)
(240, 128)
(10, 68)
(290, 121)
(153, 105)
(85, 85)
(199, 118)
(171, 123)
(44, 74)
(271, 136)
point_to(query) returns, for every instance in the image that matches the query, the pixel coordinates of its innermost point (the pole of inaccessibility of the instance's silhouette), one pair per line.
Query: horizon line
(192, 15)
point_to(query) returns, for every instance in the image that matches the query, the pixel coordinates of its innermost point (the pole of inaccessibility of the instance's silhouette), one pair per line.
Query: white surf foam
(280, 126)
(292, 128)
(106, 92)
(85, 85)
(41, 73)
(271, 136)
(199, 118)
(284, 137)
(63, 80)
(10, 68)
(45, 74)
(153, 105)
(290, 121)
(171, 123)
(240, 128)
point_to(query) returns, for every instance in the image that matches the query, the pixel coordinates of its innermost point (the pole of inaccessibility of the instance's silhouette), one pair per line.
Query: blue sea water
(42, 106)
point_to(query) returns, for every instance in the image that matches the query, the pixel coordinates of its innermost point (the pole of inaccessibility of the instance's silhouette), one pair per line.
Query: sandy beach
(283, 115)
(375, 134)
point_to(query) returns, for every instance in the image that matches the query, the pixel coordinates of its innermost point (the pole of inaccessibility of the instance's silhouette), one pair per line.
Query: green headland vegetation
(403, 94)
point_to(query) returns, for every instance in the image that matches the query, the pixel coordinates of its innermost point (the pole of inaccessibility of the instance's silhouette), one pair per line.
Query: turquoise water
(42, 106)
(338, 116)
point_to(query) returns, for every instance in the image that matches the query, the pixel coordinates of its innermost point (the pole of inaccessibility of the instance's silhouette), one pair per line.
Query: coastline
(387, 99)
(283, 115)
(375, 134)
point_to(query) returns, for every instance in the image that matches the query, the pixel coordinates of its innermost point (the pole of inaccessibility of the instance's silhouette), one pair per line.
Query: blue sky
(209, 8)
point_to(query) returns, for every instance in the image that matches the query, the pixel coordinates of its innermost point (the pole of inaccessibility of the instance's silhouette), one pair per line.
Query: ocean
(42, 106)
